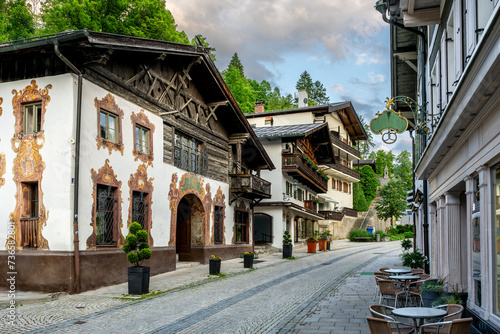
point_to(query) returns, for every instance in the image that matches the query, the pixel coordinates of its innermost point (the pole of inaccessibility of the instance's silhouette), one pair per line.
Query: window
(241, 226)
(496, 237)
(218, 224)
(300, 194)
(140, 205)
(188, 154)
(333, 183)
(29, 219)
(106, 215)
(476, 242)
(339, 185)
(345, 187)
(108, 124)
(349, 188)
(32, 118)
(142, 140)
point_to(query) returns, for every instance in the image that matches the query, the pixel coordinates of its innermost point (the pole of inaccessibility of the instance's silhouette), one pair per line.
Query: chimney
(303, 99)
(259, 107)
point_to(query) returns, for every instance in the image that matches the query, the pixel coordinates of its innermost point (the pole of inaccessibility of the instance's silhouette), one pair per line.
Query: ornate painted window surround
(142, 120)
(140, 182)
(30, 94)
(108, 104)
(106, 176)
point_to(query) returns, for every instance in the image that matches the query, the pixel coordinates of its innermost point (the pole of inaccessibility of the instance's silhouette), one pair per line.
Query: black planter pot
(287, 251)
(428, 297)
(214, 267)
(328, 245)
(248, 261)
(138, 280)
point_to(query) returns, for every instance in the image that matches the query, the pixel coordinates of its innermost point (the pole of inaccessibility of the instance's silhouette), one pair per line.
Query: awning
(328, 199)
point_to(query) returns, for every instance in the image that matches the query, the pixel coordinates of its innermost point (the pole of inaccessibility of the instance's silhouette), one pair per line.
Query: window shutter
(457, 25)
(471, 27)
(444, 72)
(429, 105)
(437, 102)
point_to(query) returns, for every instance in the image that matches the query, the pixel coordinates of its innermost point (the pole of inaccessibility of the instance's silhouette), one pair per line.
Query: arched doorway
(190, 231)
(263, 228)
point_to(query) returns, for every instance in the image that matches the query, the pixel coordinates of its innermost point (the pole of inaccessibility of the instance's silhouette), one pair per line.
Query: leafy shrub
(395, 237)
(408, 234)
(414, 259)
(287, 240)
(392, 230)
(406, 244)
(404, 228)
(136, 247)
(447, 299)
(359, 233)
(432, 285)
(382, 233)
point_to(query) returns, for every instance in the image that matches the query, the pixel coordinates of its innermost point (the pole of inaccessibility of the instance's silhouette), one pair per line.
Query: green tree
(236, 63)
(393, 202)
(364, 146)
(16, 20)
(141, 18)
(315, 90)
(359, 201)
(368, 183)
(240, 88)
(404, 169)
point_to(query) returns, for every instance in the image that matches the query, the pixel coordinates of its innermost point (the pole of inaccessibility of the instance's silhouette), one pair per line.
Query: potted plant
(311, 244)
(414, 259)
(330, 239)
(287, 245)
(406, 244)
(214, 265)
(137, 250)
(322, 240)
(431, 290)
(248, 260)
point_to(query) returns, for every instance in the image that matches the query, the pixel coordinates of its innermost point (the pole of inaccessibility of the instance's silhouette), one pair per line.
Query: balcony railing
(336, 215)
(311, 205)
(294, 164)
(345, 170)
(29, 232)
(344, 146)
(250, 186)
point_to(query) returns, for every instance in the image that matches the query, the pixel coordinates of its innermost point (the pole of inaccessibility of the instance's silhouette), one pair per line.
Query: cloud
(376, 77)
(339, 89)
(365, 58)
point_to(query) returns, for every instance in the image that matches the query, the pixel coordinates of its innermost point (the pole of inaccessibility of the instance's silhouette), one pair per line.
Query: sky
(343, 44)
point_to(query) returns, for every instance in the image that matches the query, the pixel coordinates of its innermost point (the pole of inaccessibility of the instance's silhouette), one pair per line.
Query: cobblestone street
(321, 293)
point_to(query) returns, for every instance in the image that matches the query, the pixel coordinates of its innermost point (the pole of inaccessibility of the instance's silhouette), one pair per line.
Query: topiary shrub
(137, 248)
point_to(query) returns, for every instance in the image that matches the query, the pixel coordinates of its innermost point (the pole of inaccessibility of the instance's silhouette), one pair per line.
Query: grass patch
(290, 258)
(221, 275)
(126, 297)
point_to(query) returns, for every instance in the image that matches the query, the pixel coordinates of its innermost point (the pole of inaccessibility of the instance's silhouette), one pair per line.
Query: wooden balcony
(250, 186)
(311, 205)
(346, 170)
(338, 215)
(29, 232)
(336, 141)
(293, 164)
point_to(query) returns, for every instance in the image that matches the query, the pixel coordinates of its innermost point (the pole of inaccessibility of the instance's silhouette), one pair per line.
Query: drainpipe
(76, 239)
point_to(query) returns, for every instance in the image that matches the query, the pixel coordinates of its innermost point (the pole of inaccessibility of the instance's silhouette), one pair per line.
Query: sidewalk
(186, 274)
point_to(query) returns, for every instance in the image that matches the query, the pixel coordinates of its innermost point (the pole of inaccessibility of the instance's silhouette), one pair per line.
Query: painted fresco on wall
(29, 215)
(139, 182)
(142, 120)
(108, 104)
(219, 200)
(113, 223)
(190, 184)
(2, 157)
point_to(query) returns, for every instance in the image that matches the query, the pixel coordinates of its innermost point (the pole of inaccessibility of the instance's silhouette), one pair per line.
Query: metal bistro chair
(414, 289)
(388, 291)
(458, 326)
(378, 276)
(417, 271)
(380, 312)
(379, 326)
(454, 311)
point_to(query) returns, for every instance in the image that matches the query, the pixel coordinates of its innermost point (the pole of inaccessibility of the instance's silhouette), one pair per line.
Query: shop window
(32, 118)
(496, 238)
(476, 242)
(106, 215)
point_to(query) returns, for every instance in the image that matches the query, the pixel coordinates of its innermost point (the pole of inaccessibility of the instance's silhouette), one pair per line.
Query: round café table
(405, 279)
(418, 314)
(398, 271)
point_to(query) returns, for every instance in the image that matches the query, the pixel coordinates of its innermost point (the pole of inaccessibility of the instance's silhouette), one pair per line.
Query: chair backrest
(379, 311)
(424, 276)
(378, 326)
(417, 271)
(383, 269)
(381, 273)
(386, 287)
(455, 311)
(460, 326)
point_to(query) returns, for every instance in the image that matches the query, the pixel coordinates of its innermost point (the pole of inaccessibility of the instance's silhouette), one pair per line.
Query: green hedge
(359, 233)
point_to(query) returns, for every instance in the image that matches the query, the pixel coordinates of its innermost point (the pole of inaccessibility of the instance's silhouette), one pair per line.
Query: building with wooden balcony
(446, 57)
(98, 131)
(345, 130)
(297, 152)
